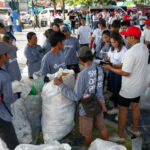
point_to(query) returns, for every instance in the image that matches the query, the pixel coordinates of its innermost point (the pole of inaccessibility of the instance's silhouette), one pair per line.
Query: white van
(3, 14)
(46, 13)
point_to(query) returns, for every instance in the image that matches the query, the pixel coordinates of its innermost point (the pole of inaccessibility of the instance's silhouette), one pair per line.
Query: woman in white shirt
(115, 56)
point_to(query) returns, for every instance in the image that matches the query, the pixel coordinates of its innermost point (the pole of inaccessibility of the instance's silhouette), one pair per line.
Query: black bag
(91, 104)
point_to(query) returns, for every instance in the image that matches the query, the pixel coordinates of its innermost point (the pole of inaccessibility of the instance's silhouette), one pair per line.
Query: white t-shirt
(9, 21)
(135, 62)
(97, 34)
(95, 17)
(111, 20)
(145, 36)
(141, 22)
(84, 32)
(117, 57)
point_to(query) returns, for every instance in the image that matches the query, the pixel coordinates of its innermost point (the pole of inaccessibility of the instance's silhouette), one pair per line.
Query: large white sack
(54, 146)
(57, 110)
(21, 123)
(33, 106)
(3, 146)
(99, 144)
(145, 97)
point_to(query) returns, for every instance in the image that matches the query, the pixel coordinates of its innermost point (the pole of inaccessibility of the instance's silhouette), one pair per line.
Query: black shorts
(126, 101)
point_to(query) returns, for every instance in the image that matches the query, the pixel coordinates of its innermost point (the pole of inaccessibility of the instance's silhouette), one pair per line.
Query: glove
(46, 79)
(18, 94)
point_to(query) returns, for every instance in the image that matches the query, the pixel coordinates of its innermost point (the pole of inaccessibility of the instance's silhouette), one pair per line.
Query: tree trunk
(54, 5)
(62, 5)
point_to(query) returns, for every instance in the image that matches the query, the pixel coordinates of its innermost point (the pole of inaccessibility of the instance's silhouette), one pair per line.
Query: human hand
(107, 67)
(58, 81)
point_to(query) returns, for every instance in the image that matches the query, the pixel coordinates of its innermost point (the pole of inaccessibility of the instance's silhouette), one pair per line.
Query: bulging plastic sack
(24, 88)
(57, 110)
(43, 147)
(33, 106)
(21, 123)
(99, 144)
(3, 146)
(145, 97)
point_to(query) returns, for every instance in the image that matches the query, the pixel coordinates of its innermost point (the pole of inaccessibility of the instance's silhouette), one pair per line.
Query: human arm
(117, 71)
(75, 94)
(7, 92)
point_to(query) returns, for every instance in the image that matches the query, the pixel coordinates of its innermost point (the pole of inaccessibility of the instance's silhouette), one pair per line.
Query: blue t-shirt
(85, 84)
(46, 46)
(71, 49)
(12, 67)
(102, 52)
(51, 63)
(34, 57)
(8, 96)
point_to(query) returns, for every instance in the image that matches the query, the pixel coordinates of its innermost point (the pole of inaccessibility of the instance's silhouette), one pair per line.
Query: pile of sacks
(57, 110)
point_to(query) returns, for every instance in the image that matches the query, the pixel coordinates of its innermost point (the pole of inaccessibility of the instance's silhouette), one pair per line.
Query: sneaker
(117, 139)
(116, 118)
(113, 111)
(136, 133)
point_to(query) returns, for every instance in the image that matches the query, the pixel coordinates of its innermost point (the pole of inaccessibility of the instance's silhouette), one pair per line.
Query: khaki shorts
(88, 123)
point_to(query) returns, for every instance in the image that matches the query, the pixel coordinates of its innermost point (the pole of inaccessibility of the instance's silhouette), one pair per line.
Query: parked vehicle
(23, 17)
(45, 14)
(3, 15)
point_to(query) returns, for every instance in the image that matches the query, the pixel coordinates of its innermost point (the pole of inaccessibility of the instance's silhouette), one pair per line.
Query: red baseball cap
(147, 21)
(128, 18)
(112, 14)
(133, 31)
(123, 33)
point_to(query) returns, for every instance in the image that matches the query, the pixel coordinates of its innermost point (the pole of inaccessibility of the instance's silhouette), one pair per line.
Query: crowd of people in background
(110, 42)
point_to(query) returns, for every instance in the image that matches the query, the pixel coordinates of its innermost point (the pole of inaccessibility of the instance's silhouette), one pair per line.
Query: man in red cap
(146, 33)
(133, 72)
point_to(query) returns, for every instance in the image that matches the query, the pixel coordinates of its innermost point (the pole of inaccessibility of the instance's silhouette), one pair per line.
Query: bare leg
(104, 135)
(122, 120)
(88, 141)
(135, 116)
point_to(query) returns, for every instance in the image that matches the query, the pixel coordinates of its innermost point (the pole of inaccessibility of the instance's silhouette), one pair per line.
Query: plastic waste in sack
(38, 81)
(21, 123)
(99, 144)
(57, 110)
(33, 106)
(33, 91)
(24, 88)
(43, 147)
